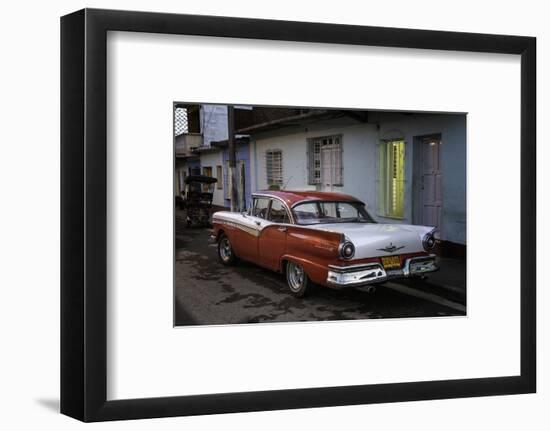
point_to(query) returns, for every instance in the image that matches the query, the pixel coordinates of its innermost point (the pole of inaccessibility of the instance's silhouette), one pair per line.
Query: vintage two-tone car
(323, 238)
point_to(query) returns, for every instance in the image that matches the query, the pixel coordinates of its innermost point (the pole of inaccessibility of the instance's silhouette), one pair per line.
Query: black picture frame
(84, 214)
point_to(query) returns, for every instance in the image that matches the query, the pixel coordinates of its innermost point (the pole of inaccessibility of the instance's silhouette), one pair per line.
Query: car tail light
(428, 242)
(347, 250)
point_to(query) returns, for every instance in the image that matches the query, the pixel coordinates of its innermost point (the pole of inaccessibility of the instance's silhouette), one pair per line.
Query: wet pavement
(209, 293)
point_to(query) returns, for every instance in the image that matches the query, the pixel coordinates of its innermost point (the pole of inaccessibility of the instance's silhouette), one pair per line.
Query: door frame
(417, 202)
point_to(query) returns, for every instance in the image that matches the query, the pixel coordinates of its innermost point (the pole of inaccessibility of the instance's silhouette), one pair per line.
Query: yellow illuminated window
(392, 178)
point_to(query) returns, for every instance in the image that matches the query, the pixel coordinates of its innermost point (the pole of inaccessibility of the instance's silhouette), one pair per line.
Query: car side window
(307, 211)
(278, 213)
(261, 205)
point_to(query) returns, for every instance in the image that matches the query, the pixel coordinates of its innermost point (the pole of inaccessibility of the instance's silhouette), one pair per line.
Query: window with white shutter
(325, 164)
(274, 167)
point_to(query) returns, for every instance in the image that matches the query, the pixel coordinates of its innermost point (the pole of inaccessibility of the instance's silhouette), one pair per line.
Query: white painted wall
(212, 160)
(293, 143)
(360, 159)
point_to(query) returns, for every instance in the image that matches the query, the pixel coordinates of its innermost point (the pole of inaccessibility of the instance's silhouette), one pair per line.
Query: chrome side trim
(218, 219)
(232, 223)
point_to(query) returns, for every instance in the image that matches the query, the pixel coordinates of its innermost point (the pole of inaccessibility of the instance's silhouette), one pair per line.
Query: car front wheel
(225, 251)
(297, 279)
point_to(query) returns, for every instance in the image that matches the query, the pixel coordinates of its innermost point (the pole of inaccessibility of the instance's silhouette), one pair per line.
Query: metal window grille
(181, 123)
(274, 167)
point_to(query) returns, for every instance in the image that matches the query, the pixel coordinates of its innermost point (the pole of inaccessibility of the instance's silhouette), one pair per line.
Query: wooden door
(431, 182)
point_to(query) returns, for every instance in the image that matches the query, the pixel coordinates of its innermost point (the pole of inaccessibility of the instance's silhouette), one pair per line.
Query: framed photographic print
(262, 215)
(293, 200)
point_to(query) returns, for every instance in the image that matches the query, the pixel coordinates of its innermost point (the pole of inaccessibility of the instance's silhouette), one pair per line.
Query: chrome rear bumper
(360, 275)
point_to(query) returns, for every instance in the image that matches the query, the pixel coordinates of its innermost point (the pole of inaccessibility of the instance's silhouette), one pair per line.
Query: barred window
(325, 161)
(274, 167)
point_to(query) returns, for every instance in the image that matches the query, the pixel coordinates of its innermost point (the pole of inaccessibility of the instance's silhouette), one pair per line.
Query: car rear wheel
(225, 251)
(297, 279)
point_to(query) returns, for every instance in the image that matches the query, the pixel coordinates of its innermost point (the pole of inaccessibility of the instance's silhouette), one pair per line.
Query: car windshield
(331, 212)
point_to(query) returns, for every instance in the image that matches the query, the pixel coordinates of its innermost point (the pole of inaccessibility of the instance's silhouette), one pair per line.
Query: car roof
(291, 197)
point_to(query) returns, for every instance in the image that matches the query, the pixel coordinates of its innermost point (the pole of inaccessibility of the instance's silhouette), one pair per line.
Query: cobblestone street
(208, 292)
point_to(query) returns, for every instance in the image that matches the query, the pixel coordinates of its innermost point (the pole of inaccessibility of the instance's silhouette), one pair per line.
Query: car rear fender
(313, 249)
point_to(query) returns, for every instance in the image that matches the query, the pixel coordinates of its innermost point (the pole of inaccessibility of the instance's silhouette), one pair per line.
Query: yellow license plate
(391, 262)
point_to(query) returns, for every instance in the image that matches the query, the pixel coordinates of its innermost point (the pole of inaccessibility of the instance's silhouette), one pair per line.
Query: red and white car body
(325, 238)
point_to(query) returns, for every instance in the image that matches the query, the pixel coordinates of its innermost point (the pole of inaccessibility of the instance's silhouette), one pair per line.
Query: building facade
(201, 148)
(406, 167)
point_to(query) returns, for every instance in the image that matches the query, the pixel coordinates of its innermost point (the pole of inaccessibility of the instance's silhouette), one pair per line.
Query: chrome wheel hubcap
(295, 276)
(225, 249)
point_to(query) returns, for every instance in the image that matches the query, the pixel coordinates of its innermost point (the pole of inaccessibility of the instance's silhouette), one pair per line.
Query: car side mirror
(244, 214)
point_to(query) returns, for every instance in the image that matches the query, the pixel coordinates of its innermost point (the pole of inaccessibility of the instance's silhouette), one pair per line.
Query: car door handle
(282, 229)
